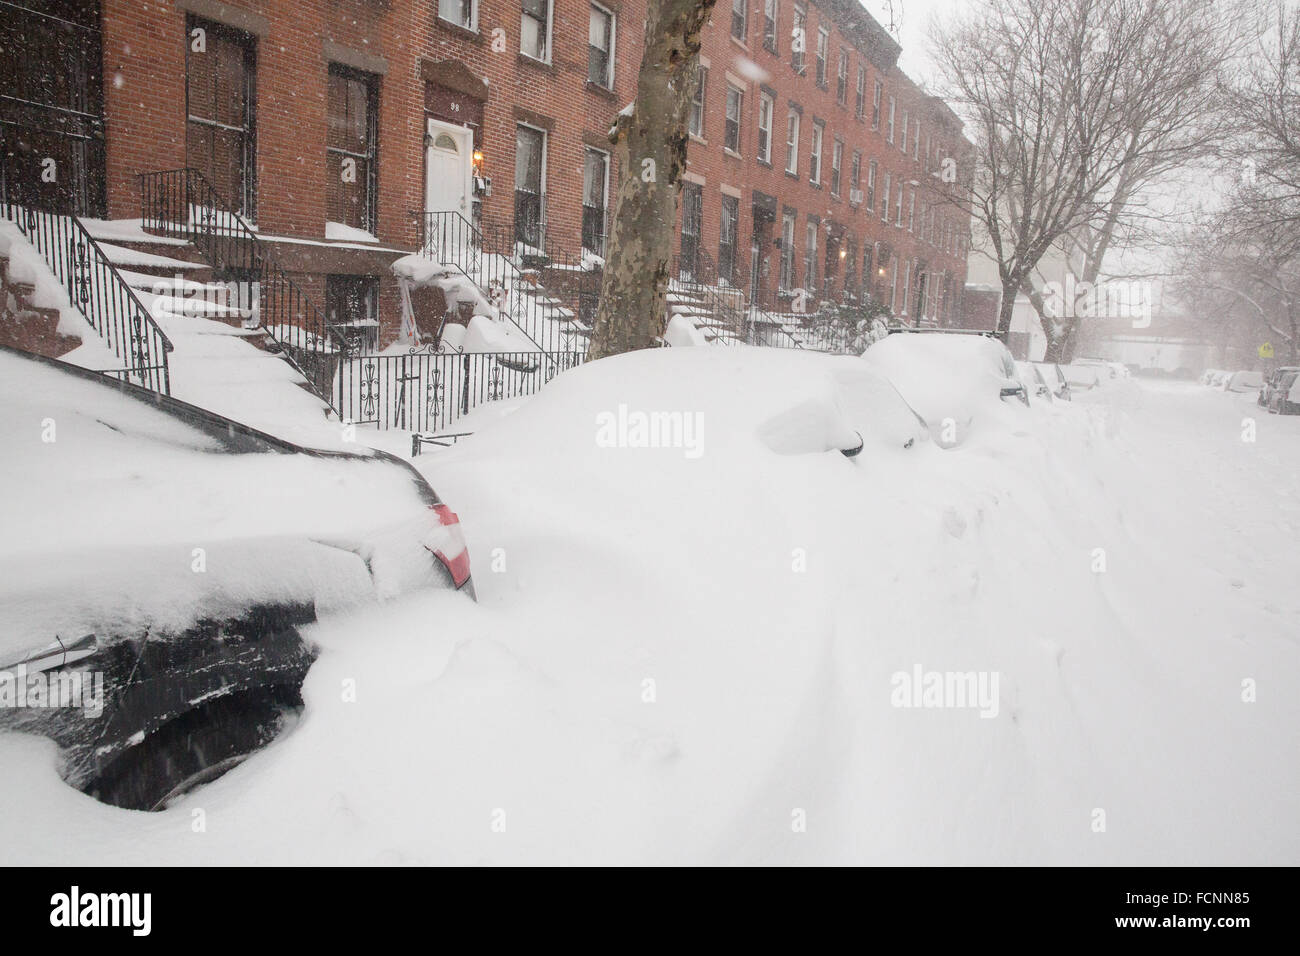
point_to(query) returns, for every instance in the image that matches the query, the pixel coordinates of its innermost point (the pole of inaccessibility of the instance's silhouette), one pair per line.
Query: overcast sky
(913, 18)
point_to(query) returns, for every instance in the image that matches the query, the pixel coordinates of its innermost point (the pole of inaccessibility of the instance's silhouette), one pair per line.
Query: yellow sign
(1266, 350)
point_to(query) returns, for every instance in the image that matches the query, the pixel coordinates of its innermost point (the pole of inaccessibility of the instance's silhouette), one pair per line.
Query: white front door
(448, 168)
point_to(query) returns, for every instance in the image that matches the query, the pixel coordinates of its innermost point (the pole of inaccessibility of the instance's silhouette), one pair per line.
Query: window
(906, 125)
(898, 206)
(916, 141)
(463, 13)
(860, 106)
(692, 213)
(352, 307)
(730, 225)
(738, 29)
(810, 255)
(765, 107)
(837, 163)
(771, 13)
(535, 29)
(735, 100)
(530, 178)
(352, 99)
(890, 135)
(787, 250)
(855, 172)
(600, 47)
(792, 142)
(907, 285)
(875, 105)
(842, 79)
(799, 39)
(823, 40)
(696, 119)
(884, 206)
(871, 185)
(595, 199)
(911, 211)
(815, 154)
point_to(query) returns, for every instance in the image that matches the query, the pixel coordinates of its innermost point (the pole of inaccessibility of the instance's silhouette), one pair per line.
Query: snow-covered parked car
(1112, 369)
(1083, 377)
(1207, 377)
(1243, 381)
(158, 563)
(1055, 379)
(950, 378)
(1033, 380)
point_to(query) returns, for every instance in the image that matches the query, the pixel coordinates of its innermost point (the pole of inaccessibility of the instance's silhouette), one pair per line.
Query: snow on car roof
(946, 376)
(732, 398)
(118, 514)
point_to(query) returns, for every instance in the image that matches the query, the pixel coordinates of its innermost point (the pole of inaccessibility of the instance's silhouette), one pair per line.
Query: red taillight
(448, 544)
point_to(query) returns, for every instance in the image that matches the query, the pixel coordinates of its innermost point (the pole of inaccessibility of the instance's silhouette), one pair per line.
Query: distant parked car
(1207, 377)
(1083, 377)
(1284, 397)
(1271, 383)
(1113, 369)
(159, 561)
(1055, 379)
(1243, 381)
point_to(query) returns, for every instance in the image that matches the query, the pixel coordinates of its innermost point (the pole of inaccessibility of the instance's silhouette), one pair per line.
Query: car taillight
(447, 543)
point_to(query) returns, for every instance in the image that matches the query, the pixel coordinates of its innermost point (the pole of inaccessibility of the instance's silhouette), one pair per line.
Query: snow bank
(684, 659)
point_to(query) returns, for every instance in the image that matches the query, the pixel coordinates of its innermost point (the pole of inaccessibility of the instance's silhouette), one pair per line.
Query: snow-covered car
(1108, 369)
(158, 563)
(1055, 378)
(1083, 377)
(1219, 379)
(950, 378)
(1284, 397)
(1033, 379)
(1271, 384)
(1243, 381)
(1207, 377)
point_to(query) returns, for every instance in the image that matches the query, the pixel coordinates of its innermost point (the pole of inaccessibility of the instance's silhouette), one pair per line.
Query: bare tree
(651, 138)
(1077, 106)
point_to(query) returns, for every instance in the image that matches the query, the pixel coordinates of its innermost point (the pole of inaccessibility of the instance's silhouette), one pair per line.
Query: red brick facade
(428, 67)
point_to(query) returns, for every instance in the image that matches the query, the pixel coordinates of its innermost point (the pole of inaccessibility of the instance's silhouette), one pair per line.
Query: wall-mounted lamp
(478, 162)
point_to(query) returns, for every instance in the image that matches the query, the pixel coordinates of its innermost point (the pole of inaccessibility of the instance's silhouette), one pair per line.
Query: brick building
(333, 125)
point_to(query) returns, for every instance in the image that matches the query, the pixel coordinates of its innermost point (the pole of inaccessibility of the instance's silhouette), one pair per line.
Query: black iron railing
(98, 291)
(513, 278)
(181, 203)
(427, 391)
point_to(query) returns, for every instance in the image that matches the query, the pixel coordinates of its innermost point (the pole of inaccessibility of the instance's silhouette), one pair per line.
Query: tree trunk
(1005, 310)
(652, 148)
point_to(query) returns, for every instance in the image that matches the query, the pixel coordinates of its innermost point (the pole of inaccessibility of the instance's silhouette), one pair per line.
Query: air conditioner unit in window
(855, 197)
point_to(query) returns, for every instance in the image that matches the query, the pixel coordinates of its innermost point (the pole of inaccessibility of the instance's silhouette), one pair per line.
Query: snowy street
(697, 659)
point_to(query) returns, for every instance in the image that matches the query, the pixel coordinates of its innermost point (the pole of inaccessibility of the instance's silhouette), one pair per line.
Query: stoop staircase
(180, 203)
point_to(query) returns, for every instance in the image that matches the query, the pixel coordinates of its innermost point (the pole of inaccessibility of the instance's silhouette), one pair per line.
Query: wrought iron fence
(426, 391)
(180, 202)
(99, 292)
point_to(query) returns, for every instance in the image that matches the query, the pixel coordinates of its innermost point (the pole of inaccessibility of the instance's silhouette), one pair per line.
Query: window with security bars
(350, 148)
